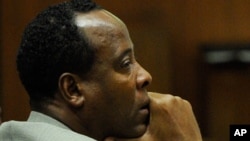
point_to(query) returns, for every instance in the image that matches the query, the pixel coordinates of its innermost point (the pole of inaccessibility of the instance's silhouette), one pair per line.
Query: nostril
(145, 84)
(143, 78)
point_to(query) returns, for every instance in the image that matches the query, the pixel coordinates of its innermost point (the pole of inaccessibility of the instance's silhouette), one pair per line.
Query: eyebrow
(126, 52)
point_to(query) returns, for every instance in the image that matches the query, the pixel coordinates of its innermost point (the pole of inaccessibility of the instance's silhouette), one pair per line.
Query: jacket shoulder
(37, 131)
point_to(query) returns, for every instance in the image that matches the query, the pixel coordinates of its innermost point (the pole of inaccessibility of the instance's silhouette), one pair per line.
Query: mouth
(146, 112)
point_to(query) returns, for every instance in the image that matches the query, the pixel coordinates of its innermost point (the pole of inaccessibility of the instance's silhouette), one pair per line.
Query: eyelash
(126, 63)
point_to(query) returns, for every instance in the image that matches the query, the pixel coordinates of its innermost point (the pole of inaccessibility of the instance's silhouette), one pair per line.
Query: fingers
(167, 102)
(171, 118)
(175, 117)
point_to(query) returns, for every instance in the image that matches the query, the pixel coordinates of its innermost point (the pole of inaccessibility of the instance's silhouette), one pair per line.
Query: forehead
(96, 18)
(100, 26)
(105, 31)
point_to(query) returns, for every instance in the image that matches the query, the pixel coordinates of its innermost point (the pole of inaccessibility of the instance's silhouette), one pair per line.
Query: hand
(171, 119)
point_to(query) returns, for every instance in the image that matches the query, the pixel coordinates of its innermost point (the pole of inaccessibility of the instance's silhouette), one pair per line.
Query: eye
(126, 63)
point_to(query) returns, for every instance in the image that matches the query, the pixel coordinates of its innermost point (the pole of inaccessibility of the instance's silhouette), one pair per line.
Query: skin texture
(112, 99)
(171, 119)
(111, 102)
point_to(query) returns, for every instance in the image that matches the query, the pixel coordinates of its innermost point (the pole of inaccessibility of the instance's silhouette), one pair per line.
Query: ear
(70, 89)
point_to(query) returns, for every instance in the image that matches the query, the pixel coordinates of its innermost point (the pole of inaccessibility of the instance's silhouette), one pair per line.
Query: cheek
(121, 96)
(117, 92)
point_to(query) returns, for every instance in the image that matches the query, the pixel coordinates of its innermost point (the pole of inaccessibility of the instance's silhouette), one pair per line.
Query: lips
(144, 111)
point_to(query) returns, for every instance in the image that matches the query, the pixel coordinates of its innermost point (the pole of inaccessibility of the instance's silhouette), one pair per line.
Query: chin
(140, 130)
(134, 132)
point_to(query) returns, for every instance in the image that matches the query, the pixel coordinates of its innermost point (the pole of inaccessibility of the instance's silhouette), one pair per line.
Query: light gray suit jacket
(39, 127)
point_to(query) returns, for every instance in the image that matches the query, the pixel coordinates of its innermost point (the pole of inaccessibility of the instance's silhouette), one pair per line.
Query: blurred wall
(167, 35)
(14, 16)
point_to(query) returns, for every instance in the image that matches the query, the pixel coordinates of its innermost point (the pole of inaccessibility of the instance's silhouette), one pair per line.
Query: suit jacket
(39, 127)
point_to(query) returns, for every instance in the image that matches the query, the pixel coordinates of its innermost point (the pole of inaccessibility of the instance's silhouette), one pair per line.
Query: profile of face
(116, 101)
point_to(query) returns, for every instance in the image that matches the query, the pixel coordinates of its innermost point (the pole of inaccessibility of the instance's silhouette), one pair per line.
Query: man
(76, 61)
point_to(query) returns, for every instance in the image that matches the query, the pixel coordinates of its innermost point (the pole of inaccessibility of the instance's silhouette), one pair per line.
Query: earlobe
(70, 89)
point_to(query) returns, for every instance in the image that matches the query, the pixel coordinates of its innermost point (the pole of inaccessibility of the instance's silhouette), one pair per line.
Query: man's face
(116, 100)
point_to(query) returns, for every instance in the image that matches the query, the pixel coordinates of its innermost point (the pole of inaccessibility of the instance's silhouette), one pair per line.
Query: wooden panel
(13, 96)
(167, 35)
(228, 101)
(15, 16)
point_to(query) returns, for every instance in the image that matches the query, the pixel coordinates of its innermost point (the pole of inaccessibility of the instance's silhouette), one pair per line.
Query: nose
(143, 78)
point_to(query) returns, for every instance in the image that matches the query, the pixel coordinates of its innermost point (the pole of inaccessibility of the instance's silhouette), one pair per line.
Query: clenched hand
(171, 119)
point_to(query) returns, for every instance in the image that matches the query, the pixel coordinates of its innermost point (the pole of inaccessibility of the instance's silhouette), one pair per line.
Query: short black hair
(51, 45)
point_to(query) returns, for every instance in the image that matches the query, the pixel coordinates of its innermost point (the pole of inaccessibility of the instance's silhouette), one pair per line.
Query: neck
(71, 118)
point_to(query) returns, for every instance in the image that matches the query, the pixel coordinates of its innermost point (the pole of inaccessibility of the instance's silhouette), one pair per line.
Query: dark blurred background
(197, 49)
